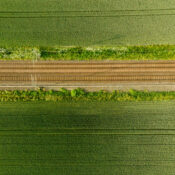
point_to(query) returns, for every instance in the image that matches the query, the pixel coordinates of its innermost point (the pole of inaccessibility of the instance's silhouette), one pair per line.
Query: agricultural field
(47, 44)
(120, 138)
(80, 23)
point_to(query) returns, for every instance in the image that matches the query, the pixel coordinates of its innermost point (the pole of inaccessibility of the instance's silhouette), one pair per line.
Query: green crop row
(151, 52)
(82, 95)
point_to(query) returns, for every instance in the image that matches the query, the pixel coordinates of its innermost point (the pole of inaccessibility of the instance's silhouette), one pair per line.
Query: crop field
(84, 23)
(87, 139)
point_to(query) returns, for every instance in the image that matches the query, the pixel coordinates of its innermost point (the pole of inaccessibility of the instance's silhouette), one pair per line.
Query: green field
(86, 23)
(87, 139)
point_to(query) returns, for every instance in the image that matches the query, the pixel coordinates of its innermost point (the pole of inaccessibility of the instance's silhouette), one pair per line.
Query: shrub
(73, 93)
(25, 53)
(152, 52)
(80, 94)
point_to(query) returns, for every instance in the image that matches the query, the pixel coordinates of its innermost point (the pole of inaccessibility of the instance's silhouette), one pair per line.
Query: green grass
(151, 52)
(82, 95)
(87, 138)
(65, 23)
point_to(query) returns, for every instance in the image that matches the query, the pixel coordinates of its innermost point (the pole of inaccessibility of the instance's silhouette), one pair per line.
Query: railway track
(57, 73)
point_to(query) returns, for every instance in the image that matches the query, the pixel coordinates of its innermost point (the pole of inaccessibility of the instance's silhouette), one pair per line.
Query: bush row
(152, 52)
(82, 95)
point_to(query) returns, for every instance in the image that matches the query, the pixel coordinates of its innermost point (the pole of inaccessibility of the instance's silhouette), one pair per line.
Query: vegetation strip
(82, 95)
(150, 52)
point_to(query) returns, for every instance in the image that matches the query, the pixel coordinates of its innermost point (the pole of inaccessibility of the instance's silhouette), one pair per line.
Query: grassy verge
(152, 52)
(82, 95)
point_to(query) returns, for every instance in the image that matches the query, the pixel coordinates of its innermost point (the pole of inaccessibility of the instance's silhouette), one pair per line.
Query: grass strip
(149, 52)
(82, 95)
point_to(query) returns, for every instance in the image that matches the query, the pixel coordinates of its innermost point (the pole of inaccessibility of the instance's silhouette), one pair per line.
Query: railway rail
(68, 73)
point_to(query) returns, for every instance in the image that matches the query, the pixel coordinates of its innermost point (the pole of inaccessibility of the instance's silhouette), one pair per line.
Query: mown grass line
(150, 52)
(82, 95)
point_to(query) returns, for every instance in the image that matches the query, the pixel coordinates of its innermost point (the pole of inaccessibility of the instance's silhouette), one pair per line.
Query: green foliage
(73, 93)
(20, 53)
(65, 91)
(82, 95)
(152, 52)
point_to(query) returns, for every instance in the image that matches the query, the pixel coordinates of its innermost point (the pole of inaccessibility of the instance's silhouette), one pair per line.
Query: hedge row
(82, 95)
(152, 52)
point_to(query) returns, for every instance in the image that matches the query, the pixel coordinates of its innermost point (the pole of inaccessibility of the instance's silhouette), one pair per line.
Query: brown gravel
(109, 75)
